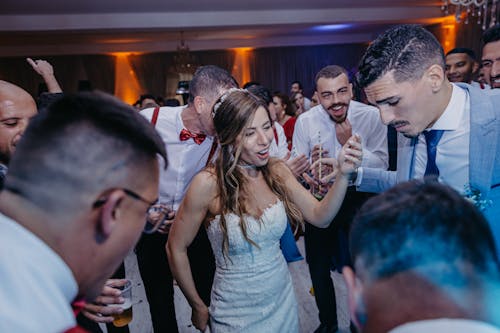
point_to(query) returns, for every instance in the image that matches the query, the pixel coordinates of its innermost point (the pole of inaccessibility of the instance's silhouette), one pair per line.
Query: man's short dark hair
(465, 50)
(492, 34)
(250, 84)
(298, 83)
(406, 50)
(261, 92)
(209, 81)
(80, 145)
(330, 72)
(421, 224)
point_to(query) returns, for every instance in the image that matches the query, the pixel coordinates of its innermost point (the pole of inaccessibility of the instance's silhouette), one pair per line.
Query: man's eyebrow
(386, 100)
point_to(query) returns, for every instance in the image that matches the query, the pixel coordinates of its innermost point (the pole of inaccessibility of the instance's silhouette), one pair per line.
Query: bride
(243, 201)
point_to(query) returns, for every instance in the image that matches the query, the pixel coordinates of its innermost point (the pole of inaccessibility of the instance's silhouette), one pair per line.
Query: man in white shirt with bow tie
(188, 135)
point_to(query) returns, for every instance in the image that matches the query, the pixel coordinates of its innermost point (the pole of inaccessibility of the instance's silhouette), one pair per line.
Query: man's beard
(341, 119)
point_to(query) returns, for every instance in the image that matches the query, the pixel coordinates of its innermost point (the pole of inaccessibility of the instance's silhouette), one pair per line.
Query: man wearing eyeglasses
(74, 204)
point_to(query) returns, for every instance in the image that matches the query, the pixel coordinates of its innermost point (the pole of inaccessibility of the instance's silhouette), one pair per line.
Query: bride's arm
(321, 213)
(187, 222)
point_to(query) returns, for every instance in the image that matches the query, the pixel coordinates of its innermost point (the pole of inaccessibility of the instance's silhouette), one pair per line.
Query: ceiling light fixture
(486, 11)
(331, 27)
(184, 62)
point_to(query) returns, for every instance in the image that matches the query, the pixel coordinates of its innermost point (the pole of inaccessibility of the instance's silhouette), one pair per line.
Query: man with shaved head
(16, 109)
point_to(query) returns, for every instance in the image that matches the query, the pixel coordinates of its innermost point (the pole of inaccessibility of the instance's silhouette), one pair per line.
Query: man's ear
(110, 213)
(354, 291)
(436, 75)
(199, 104)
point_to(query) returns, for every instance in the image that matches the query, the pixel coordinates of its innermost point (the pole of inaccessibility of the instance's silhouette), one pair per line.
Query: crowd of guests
(238, 171)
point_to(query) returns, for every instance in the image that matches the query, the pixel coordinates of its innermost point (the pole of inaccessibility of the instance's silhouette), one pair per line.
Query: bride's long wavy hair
(233, 113)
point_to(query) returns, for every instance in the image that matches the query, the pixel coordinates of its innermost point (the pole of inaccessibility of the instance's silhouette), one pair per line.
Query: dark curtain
(277, 68)
(222, 58)
(274, 68)
(151, 70)
(99, 70)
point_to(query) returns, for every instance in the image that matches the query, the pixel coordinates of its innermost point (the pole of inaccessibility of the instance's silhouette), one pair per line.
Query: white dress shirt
(316, 127)
(37, 286)
(452, 155)
(185, 158)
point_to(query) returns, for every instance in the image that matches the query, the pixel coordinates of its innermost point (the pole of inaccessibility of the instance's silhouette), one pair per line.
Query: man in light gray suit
(447, 130)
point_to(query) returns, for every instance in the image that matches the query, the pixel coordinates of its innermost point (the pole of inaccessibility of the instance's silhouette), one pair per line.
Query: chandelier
(485, 12)
(184, 62)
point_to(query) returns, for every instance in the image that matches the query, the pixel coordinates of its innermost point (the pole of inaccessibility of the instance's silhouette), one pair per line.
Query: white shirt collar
(452, 115)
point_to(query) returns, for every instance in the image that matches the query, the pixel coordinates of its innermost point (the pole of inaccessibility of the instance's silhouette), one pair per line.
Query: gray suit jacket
(484, 157)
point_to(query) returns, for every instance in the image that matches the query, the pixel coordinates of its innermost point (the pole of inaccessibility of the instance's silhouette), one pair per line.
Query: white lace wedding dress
(252, 290)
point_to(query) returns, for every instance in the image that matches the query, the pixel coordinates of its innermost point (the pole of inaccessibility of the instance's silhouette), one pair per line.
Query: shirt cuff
(359, 177)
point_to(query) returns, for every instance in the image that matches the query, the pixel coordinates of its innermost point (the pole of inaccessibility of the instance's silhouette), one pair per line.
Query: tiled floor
(308, 313)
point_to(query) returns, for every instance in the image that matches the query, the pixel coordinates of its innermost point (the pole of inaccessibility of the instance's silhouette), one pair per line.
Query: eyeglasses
(136, 196)
(147, 228)
(131, 194)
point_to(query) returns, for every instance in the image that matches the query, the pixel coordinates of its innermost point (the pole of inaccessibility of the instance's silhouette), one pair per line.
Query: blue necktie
(432, 138)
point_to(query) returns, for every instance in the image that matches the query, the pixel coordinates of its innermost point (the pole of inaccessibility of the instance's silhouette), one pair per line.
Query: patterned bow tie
(197, 138)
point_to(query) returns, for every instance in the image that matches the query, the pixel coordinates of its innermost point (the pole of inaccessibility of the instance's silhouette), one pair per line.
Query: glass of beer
(125, 317)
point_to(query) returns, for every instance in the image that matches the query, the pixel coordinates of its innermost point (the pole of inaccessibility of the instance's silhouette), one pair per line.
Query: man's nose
(386, 114)
(495, 68)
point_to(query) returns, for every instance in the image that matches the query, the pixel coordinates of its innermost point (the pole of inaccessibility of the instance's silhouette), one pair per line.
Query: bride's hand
(200, 317)
(351, 155)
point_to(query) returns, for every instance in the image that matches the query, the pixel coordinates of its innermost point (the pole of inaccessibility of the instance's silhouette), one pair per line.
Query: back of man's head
(430, 242)
(406, 51)
(81, 145)
(82, 179)
(419, 224)
(210, 81)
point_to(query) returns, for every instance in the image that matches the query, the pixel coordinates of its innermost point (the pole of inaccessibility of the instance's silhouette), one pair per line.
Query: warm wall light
(241, 67)
(449, 27)
(127, 87)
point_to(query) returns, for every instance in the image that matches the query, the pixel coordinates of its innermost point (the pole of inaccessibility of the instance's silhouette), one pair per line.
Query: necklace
(248, 166)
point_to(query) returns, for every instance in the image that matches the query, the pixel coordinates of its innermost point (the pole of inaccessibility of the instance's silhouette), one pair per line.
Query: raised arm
(188, 220)
(45, 69)
(321, 213)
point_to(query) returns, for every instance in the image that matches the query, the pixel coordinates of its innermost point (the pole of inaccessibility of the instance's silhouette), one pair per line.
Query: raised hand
(298, 165)
(45, 69)
(315, 152)
(329, 169)
(351, 155)
(42, 67)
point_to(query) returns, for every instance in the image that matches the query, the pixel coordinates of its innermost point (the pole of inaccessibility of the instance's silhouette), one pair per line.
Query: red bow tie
(197, 138)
